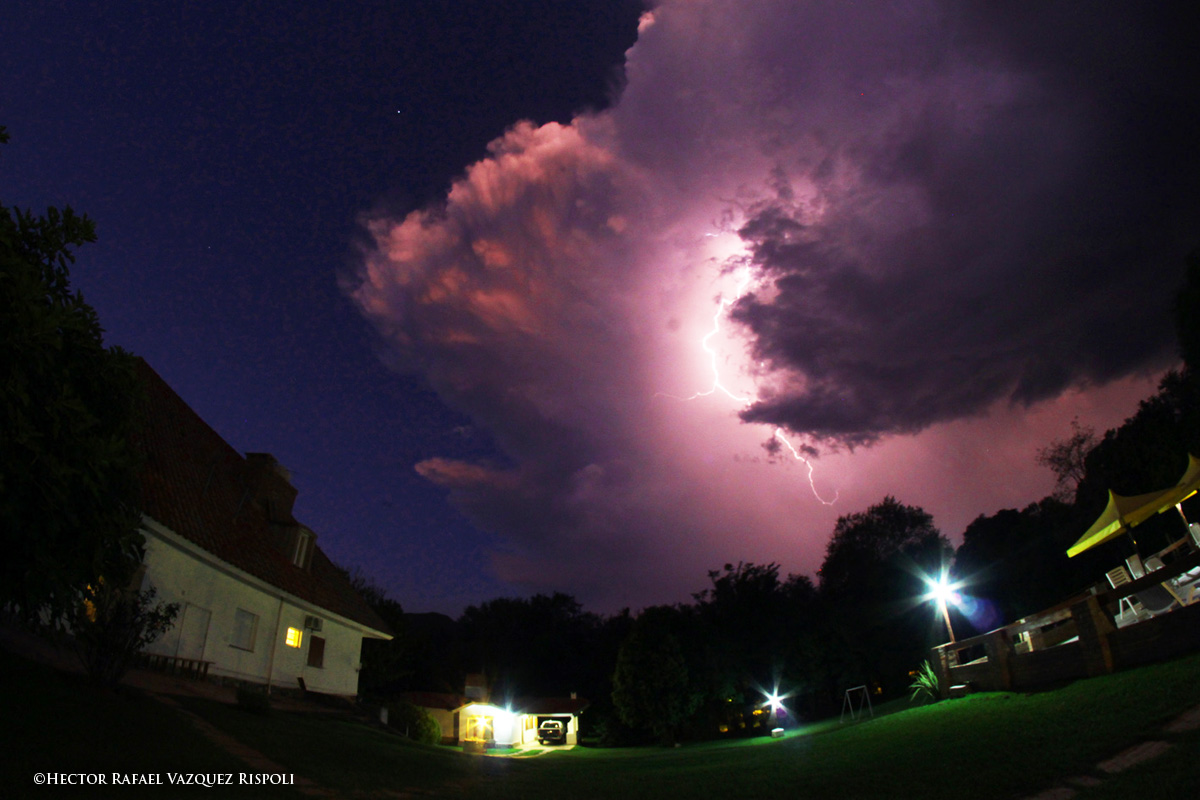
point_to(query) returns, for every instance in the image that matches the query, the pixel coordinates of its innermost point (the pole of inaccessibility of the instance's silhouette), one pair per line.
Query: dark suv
(552, 732)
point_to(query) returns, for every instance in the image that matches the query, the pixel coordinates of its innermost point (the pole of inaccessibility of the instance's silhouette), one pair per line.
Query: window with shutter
(245, 627)
(316, 652)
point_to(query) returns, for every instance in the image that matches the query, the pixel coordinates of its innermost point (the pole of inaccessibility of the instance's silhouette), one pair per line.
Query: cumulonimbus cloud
(942, 207)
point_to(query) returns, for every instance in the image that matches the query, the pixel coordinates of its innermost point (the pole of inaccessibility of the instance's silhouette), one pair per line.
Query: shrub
(111, 626)
(414, 722)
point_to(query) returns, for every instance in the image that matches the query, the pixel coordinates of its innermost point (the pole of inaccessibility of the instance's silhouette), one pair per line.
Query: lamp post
(943, 592)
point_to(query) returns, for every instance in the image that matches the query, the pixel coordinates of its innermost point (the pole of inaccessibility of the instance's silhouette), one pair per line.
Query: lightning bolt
(717, 386)
(795, 454)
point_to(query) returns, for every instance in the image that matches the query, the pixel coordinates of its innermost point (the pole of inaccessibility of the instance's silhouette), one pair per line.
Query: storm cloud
(916, 214)
(996, 217)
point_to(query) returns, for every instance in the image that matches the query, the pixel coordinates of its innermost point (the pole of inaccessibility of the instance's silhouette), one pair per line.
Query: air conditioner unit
(313, 623)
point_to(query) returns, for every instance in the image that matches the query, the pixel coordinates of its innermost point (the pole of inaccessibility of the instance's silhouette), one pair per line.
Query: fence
(1074, 639)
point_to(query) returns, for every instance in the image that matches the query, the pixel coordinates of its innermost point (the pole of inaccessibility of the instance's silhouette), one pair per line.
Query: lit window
(245, 627)
(293, 637)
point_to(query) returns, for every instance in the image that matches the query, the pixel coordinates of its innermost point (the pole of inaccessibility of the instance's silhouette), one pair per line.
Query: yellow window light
(294, 637)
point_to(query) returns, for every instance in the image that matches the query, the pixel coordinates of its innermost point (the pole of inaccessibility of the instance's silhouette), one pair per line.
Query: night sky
(454, 263)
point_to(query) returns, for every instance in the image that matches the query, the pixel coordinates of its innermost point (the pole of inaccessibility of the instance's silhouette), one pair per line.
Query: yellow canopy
(1189, 483)
(1123, 512)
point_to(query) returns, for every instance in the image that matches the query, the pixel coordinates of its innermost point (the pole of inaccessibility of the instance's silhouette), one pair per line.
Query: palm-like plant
(925, 684)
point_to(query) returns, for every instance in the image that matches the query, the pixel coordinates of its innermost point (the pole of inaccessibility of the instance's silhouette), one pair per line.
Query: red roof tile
(196, 484)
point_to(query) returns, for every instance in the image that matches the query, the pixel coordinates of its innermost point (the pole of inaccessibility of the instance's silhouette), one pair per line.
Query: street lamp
(943, 592)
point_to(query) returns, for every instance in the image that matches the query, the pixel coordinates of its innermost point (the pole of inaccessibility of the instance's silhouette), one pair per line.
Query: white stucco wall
(184, 573)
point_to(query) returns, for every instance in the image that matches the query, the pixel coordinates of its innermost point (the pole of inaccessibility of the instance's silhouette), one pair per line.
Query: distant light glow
(942, 590)
(945, 592)
(774, 702)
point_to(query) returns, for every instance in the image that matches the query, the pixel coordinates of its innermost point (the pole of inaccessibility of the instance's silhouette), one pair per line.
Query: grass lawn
(997, 745)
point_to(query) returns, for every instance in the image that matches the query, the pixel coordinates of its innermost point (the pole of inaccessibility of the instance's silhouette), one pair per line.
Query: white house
(260, 602)
(471, 718)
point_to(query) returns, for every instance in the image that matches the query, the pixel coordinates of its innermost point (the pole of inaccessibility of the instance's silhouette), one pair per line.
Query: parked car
(552, 731)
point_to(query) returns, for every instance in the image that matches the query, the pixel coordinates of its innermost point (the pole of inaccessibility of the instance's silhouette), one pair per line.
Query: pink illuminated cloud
(942, 236)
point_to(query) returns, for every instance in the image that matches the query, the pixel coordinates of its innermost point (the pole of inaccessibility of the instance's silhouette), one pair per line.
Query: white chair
(1118, 576)
(1134, 563)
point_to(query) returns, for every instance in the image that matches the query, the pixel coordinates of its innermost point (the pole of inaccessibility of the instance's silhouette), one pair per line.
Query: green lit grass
(998, 745)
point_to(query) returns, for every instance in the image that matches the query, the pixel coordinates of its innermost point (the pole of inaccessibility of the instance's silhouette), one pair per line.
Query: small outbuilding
(478, 723)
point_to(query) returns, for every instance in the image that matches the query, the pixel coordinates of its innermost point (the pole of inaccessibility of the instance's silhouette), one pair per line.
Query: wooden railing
(1074, 639)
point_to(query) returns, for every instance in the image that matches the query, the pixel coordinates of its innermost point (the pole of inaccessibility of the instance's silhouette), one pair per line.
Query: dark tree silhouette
(651, 685)
(1066, 458)
(873, 579)
(69, 474)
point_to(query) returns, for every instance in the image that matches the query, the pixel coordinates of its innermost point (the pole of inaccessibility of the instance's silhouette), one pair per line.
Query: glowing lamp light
(945, 593)
(942, 591)
(774, 702)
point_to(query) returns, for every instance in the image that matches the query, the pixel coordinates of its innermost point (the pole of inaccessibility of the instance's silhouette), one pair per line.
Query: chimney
(270, 486)
(476, 687)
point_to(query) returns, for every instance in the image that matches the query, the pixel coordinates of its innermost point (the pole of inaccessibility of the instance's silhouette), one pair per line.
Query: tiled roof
(196, 484)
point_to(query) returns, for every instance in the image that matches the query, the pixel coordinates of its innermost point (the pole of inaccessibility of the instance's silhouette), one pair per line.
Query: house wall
(448, 721)
(509, 730)
(206, 589)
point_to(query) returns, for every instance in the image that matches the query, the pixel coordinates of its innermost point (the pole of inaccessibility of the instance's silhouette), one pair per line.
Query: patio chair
(1162, 598)
(1158, 599)
(1119, 576)
(1183, 588)
(1134, 563)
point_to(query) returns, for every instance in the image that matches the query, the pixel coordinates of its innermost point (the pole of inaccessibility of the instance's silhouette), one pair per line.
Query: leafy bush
(111, 626)
(414, 722)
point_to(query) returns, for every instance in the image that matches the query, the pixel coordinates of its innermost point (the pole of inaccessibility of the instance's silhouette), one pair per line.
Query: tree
(69, 473)
(110, 626)
(866, 543)
(651, 686)
(872, 580)
(1015, 562)
(1066, 458)
(384, 661)
(539, 645)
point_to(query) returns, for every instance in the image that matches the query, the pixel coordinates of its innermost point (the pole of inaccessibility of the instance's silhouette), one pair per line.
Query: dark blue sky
(949, 227)
(225, 151)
